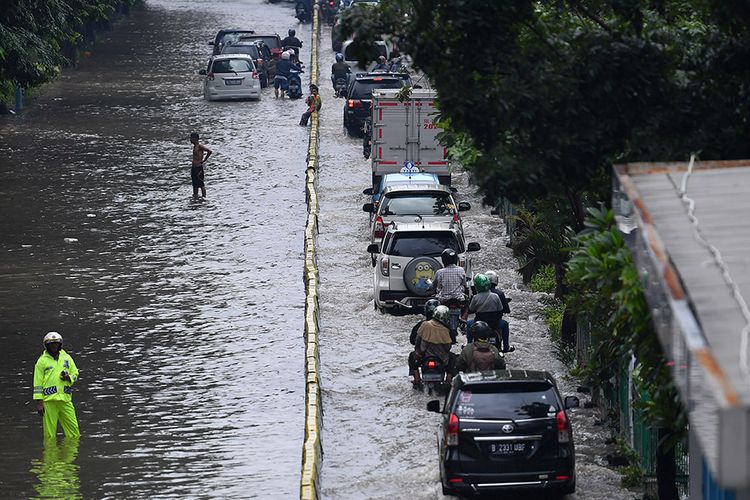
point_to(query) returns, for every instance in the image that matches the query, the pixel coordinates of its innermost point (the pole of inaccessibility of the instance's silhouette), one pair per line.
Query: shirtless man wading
(196, 171)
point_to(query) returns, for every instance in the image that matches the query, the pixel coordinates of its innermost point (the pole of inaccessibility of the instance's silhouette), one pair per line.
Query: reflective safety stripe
(37, 389)
(48, 391)
(68, 390)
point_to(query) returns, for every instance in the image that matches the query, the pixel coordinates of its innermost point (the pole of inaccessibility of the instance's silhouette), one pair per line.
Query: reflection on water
(56, 471)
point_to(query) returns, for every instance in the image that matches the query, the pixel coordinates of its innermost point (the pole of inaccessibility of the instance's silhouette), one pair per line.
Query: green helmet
(482, 283)
(429, 308)
(441, 314)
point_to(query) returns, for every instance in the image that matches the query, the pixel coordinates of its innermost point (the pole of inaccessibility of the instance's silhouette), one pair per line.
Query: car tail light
(255, 75)
(455, 480)
(210, 76)
(456, 218)
(385, 264)
(432, 364)
(561, 478)
(378, 79)
(379, 227)
(354, 103)
(563, 427)
(451, 432)
(330, 2)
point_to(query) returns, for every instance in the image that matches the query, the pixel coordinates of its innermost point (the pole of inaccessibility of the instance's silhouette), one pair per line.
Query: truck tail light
(385, 266)
(451, 432)
(563, 427)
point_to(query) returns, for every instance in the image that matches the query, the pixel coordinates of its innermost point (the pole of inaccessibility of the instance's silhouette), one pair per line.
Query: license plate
(507, 448)
(233, 82)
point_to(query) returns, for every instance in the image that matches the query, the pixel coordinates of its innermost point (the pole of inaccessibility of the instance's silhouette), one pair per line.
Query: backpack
(482, 359)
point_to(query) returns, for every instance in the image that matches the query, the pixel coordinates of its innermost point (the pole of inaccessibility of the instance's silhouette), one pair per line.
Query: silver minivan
(231, 76)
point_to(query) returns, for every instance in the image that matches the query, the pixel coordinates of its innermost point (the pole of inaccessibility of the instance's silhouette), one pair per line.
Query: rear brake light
(456, 218)
(255, 75)
(562, 478)
(431, 364)
(378, 79)
(451, 432)
(210, 76)
(354, 103)
(385, 264)
(379, 227)
(455, 480)
(563, 427)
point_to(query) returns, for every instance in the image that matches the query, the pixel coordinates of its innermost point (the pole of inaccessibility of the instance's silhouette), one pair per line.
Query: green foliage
(543, 280)
(34, 32)
(632, 474)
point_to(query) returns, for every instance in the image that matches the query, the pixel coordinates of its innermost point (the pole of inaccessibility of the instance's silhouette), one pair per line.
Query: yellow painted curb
(311, 448)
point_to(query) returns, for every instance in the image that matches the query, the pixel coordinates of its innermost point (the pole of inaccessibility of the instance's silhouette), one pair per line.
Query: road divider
(312, 450)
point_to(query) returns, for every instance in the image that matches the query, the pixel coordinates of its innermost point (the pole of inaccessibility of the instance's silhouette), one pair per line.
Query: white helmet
(492, 275)
(52, 337)
(285, 55)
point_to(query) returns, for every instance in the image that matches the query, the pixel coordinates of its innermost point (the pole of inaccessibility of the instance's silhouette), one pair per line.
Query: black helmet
(481, 330)
(449, 257)
(429, 308)
(292, 32)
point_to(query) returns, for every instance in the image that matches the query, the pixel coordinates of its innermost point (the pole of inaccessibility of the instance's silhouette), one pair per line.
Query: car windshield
(423, 243)
(420, 204)
(232, 66)
(231, 37)
(376, 51)
(272, 41)
(507, 401)
(243, 48)
(363, 89)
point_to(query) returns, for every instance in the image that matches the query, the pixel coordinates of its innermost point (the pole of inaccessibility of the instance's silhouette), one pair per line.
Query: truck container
(404, 133)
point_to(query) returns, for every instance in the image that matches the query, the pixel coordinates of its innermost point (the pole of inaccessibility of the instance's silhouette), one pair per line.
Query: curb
(312, 450)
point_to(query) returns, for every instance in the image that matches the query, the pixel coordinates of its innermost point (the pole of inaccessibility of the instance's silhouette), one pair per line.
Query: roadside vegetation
(39, 37)
(538, 100)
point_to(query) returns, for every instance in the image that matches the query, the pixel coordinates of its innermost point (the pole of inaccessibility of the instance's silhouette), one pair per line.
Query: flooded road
(379, 442)
(185, 317)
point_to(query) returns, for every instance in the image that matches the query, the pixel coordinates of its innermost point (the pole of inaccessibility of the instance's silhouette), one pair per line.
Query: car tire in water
(417, 272)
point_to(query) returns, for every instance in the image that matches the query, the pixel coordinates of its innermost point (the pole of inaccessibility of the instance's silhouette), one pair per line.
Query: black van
(506, 430)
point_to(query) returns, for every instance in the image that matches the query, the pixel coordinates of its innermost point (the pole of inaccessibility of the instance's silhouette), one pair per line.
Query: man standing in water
(196, 171)
(54, 375)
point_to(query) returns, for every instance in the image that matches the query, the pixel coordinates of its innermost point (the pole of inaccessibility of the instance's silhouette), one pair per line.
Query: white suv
(407, 261)
(231, 76)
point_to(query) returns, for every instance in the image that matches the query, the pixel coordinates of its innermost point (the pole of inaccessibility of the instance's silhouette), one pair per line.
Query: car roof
(377, 78)
(232, 56)
(422, 187)
(418, 177)
(419, 226)
(501, 376)
(265, 34)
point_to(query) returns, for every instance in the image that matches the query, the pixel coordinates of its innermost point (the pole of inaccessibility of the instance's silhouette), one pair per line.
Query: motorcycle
(302, 13)
(328, 11)
(455, 308)
(433, 372)
(294, 90)
(339, 86)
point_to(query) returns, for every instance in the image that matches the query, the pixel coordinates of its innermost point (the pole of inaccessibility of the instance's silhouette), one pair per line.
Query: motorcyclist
(504, 326)
(429, 310)
(381, 65)
(433, 339)
(292, 41)
(480, 355)
(487, 307)
(283, 69)
(450, 281)
(339, 69)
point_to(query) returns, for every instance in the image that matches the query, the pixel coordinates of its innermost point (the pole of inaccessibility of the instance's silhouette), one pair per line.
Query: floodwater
(184, 316)
(378, 439)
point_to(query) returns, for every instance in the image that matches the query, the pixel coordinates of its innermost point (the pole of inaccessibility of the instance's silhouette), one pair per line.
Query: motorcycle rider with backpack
(433, 339)
(480, 355)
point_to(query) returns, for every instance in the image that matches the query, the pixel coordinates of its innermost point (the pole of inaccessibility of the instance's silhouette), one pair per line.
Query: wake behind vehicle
(506, 430)
(406, 261)
(231, 76)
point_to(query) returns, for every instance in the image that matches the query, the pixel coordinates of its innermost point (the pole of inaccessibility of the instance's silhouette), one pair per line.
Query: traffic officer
(55, 373)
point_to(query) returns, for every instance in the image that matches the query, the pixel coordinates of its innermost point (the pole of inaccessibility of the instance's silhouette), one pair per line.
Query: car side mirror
(473, 247)
(572, 402)
(367, 191)
(373, 248)
(453, 190)
(202, 72)
(368, 207)
(211, 43)
(434, 406)
(464, 206)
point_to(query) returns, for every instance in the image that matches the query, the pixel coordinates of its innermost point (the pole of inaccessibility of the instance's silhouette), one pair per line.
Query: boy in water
(196, 171)
(313, 104)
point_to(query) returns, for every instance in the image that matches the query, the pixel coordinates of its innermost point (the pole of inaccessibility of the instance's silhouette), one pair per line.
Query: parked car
(272, 40)
(407, 260)
(227, 36)
(359, 98)
(429, 203)
(231, 76)
(259, 51)
(506, 430)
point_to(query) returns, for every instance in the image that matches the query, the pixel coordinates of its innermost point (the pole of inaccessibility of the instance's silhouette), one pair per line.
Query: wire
(719, 260)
